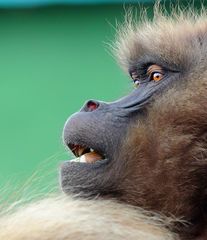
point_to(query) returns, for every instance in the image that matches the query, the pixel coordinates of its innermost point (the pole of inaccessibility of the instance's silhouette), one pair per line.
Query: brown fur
(168, 150)
(171, 176)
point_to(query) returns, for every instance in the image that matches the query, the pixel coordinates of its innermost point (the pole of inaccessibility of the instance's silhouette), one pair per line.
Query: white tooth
(75, 160)
(83, 159)
(91, 149)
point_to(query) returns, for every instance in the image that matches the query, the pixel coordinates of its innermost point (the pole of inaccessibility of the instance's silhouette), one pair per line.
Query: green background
(52, 60)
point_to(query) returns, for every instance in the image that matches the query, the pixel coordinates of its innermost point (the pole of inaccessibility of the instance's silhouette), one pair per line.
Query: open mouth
(85, 154)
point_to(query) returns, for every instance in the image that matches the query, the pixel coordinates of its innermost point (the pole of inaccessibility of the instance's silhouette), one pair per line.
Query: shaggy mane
(165, 35)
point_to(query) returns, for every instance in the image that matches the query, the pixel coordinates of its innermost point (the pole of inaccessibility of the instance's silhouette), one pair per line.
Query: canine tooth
(80, 151)
(83, 159)
(75, 160)
(91, 149)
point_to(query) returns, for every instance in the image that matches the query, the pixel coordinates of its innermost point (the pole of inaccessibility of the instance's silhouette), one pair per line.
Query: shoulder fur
(64, 218)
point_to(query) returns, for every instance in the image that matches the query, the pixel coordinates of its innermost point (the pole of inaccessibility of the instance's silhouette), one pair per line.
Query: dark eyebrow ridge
(140, 66)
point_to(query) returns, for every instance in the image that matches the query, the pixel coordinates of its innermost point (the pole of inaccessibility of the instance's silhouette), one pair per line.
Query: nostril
(92, 105)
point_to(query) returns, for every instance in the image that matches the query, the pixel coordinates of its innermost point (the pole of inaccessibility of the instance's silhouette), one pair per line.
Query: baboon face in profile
(149, 148)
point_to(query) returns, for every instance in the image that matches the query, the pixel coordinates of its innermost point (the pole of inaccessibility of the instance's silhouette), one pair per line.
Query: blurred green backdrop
(52, 60)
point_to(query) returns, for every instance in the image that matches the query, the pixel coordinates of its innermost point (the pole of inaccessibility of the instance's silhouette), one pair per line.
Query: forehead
(179, 41)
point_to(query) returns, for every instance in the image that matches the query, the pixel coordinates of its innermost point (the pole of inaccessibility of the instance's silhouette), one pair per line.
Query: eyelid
(148, 72)
(154, 68)
(134, 75)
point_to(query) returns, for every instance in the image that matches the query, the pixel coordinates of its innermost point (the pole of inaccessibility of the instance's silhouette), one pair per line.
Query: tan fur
(174, 37)
(64, 218)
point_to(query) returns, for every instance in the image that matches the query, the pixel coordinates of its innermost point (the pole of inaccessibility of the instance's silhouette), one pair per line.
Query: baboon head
(149, 148)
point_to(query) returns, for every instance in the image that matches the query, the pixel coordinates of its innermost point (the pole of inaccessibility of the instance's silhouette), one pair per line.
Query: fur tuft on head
(165, 36)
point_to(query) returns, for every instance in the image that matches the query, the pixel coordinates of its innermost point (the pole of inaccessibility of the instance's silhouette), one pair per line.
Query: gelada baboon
(148, 149)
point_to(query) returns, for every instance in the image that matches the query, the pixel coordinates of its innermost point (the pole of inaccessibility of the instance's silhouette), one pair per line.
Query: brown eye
(156, 76)
(155, 72)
